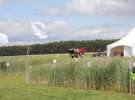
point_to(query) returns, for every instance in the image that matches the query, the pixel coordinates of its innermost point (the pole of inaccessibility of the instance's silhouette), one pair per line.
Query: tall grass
(101, 74)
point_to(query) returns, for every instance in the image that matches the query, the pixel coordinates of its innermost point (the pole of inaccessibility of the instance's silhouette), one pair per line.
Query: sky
(66, 19)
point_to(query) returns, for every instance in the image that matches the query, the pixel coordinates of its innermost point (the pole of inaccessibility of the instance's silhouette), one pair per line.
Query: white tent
(125, 46)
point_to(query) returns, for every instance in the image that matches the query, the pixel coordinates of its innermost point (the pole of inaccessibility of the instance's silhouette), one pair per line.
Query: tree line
(55, 47)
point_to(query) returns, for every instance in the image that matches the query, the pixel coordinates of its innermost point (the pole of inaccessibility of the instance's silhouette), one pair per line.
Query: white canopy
(126, 45)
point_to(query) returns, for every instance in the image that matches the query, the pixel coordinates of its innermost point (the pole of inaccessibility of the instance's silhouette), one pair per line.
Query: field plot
(85, 75)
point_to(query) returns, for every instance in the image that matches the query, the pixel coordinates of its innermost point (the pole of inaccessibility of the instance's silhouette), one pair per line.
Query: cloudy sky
(66, 19)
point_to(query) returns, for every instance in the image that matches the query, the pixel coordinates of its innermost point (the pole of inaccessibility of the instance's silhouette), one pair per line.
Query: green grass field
(13, 82)
(12, 87)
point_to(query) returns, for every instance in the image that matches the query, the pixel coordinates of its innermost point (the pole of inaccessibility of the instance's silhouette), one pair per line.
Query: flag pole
(27, 65)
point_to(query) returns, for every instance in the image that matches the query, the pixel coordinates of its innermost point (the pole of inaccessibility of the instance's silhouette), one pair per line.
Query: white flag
(39, 29)
(3, 39)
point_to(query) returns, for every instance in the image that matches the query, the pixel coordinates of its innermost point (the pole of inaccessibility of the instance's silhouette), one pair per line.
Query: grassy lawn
(12, 87)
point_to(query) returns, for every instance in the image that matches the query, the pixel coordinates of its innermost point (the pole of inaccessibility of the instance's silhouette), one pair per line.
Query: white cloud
(92, 31)
(24, 1)
(20, 32)
(100, 33)
(14, 28)
(118, 8)
(59, 27)
(103, 7)
(54, 11)
(1, 1)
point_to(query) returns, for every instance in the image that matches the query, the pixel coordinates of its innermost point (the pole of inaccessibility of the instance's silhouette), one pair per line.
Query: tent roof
(128, 40)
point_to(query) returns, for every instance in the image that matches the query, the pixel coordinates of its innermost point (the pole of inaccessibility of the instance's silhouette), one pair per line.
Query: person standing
(132, 78)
